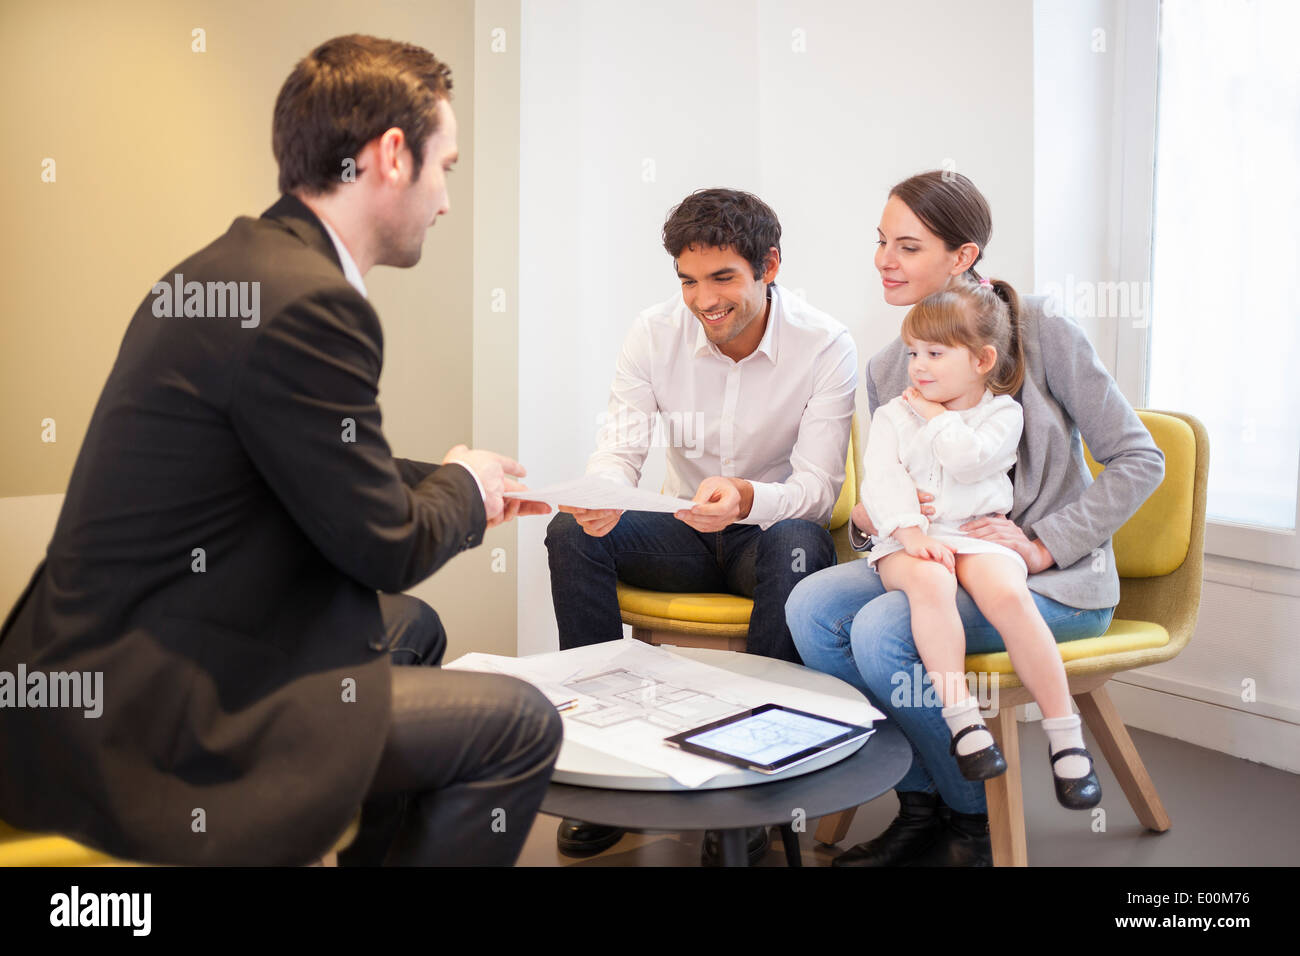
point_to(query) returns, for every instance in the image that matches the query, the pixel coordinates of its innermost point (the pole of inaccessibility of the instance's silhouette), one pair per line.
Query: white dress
(960, 457)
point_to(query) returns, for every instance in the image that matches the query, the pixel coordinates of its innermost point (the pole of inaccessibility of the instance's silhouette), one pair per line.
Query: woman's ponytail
(975, 315)
(1009, 374)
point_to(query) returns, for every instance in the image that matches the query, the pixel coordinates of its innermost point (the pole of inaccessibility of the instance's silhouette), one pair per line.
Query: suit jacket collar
(294, 215)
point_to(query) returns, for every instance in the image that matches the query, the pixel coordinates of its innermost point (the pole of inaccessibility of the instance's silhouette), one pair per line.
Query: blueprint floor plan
(621, 695)
(624, 697)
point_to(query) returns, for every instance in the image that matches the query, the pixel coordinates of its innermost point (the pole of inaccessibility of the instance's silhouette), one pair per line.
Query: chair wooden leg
(1005, 797)
(1099, 713)
(832, 828)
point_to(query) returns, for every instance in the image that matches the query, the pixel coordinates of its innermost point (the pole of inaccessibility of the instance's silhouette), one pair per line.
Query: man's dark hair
(342, 95)
(724, 218)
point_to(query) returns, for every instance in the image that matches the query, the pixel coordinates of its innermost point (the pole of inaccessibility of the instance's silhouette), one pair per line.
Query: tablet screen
(770, 736)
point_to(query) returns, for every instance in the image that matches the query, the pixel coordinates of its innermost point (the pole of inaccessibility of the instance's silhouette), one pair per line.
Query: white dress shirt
(779, 418)
(960, 457)
(350, 270)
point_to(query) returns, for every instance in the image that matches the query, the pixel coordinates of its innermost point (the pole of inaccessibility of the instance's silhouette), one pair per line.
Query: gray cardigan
(1067, 392)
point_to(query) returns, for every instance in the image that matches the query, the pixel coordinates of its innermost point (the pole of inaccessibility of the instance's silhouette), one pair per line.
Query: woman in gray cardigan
(935, 226)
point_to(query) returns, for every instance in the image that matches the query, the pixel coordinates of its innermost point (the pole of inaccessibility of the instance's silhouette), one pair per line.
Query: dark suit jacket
(224, 689)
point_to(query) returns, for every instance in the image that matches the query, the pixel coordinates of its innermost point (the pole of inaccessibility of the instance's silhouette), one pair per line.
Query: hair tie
(985, 282)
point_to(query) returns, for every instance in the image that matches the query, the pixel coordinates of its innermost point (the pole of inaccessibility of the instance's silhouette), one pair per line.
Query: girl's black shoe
(1076, 793)
(982, 764)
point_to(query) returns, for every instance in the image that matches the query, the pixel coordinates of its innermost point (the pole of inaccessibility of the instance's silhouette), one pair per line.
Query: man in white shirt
(755, 389)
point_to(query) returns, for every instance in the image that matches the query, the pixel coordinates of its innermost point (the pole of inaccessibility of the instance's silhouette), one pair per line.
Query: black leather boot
(578, 838)
(910, 833)
(963, 841)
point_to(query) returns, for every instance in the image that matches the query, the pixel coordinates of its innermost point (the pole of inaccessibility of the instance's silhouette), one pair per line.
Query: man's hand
(597, 522)
(718, 502)
(491, 470)
(1001, 530)
(920, 545)
(926, 408)
(863, 522)
(514, 507)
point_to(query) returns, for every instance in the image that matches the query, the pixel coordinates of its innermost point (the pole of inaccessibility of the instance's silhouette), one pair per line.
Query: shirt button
(726, 461)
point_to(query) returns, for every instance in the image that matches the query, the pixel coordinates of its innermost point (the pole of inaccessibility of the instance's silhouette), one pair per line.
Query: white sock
(1062, 734)
(964, 714)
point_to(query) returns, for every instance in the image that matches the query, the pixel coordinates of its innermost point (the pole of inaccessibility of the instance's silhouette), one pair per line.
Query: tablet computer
(768, 738)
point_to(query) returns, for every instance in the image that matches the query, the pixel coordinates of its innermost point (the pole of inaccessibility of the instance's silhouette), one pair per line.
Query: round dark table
(876, 767)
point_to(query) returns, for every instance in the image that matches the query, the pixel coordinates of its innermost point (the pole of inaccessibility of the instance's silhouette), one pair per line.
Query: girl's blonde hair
(974, 315)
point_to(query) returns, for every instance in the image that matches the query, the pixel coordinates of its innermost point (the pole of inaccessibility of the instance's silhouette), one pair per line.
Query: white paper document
(593, 491)
(630, 695)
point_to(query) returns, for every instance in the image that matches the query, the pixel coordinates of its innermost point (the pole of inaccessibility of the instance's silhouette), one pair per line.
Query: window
(1223, 341)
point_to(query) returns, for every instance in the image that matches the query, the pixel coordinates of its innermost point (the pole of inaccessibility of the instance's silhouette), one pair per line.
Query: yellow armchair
(21, 848)
(1159, 554)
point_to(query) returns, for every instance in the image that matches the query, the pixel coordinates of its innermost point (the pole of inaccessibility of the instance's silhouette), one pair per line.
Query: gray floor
(1225, 812)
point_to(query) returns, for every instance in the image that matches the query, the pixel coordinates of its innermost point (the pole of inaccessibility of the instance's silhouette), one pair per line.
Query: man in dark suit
(233, 511)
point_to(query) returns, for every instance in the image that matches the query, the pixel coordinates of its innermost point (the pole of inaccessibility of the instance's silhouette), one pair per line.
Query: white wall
(817, 107)
(1075, 111)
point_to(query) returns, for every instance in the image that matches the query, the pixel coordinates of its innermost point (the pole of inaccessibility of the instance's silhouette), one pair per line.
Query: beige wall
(475, 593)
(157, 149)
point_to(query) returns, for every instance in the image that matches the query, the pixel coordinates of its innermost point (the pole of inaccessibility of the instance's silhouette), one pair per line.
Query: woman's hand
(860, 518)
(1000, 530)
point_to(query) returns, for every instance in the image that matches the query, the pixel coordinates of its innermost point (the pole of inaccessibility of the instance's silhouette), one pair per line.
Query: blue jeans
(846, 624)
(659, 552)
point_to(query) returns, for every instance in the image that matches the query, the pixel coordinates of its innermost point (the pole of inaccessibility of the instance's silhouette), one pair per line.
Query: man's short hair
(342, 95)
(724, 218)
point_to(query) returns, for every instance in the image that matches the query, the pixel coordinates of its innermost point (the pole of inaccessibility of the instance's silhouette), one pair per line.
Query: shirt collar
(767, 345)
(350, 270)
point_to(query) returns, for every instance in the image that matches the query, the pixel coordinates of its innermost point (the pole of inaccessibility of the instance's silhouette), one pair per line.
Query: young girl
(954, 435)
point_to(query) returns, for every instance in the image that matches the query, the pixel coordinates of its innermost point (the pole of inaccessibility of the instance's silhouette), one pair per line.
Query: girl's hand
(924, 546)
(1000, 530)
(924, 407)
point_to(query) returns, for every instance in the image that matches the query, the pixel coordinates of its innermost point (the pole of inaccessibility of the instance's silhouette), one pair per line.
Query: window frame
(1131, 247)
